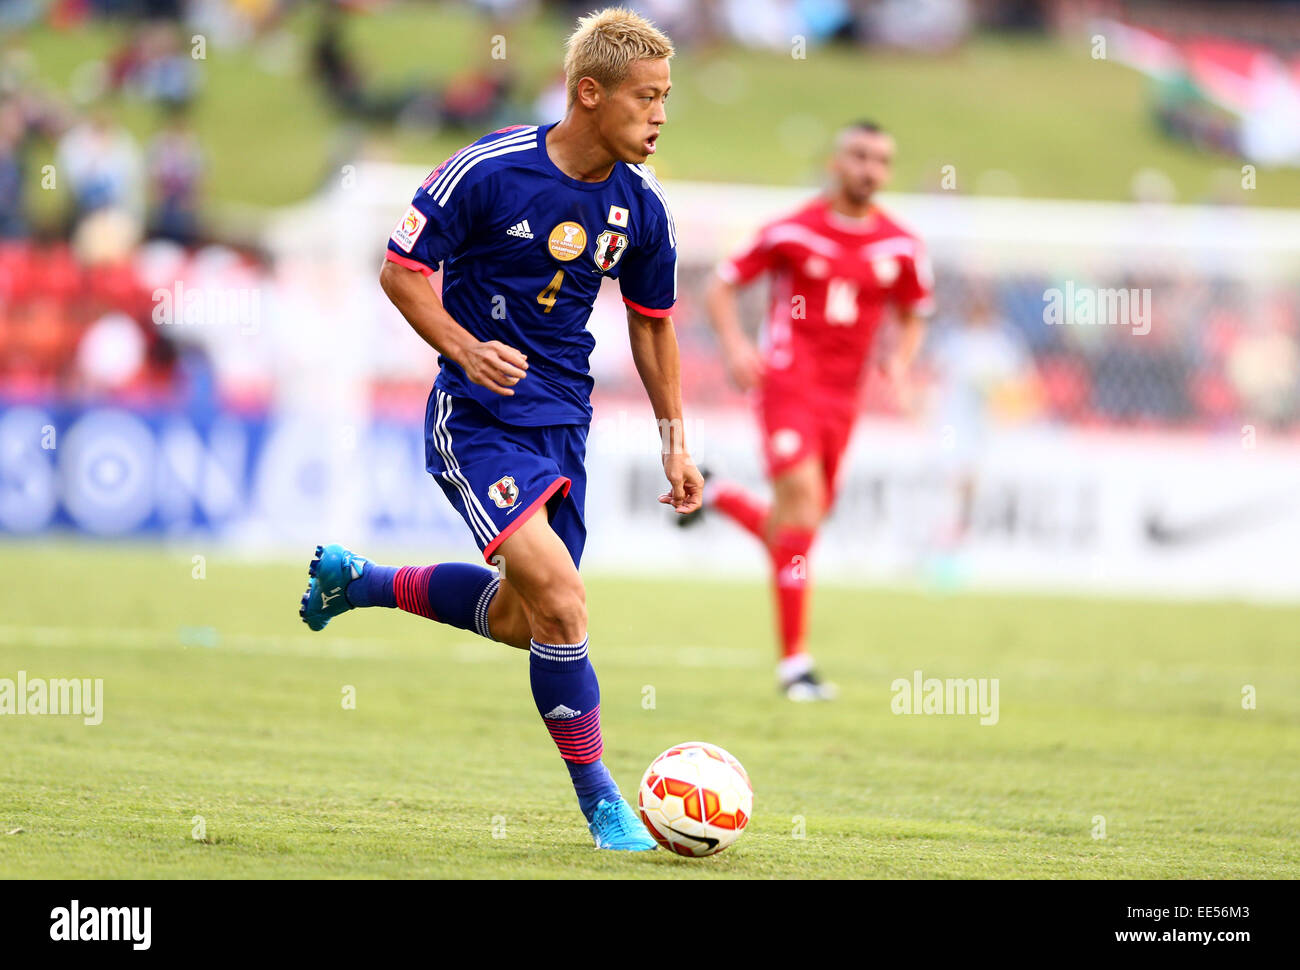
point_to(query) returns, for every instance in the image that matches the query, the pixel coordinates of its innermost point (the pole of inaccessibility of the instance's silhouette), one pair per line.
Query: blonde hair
(606, 43)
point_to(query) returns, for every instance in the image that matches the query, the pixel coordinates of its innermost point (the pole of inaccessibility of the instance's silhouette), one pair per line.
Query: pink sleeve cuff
(646, 311)
(393, 257)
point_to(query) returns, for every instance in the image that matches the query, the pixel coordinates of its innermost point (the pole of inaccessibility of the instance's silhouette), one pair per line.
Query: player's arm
(654, 349)
(913, 299)
(494, 365)
(431, 231)
(911, 335)
(897, 366)
(744, 363)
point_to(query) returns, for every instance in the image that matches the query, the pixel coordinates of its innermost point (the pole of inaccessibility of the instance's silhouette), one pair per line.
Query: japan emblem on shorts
(609, 247)
(503, 492)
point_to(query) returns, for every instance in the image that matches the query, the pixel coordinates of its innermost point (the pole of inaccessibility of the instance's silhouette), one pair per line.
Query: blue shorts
(497, 475)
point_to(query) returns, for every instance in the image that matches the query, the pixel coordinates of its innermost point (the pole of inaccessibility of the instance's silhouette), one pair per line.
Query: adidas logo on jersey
(520, 229)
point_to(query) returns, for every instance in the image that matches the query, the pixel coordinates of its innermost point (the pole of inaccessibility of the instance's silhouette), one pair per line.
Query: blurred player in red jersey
(836, 265)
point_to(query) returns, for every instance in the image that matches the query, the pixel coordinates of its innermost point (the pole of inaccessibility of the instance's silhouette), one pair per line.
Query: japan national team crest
(609, 247)
(504, 492)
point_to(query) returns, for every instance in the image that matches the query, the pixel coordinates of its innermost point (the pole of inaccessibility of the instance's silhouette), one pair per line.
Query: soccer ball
(695, 799)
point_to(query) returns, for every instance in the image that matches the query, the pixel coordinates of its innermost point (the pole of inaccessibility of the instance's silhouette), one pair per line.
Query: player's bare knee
(810, 520)
(800, 508)
(559, 611)
(812, 506)
(569, 610)
(560, 619)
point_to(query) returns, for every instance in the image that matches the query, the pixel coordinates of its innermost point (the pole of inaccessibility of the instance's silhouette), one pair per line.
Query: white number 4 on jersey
(842, 302)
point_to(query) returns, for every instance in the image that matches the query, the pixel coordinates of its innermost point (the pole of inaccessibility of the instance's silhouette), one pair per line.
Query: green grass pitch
(218, 703)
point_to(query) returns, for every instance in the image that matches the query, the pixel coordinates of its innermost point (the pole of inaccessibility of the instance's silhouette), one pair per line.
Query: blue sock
(592, 782)
(567, 696)
(374, 587)
(455, 593)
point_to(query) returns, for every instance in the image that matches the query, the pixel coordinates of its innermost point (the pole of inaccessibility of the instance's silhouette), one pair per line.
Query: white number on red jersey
(842, 302)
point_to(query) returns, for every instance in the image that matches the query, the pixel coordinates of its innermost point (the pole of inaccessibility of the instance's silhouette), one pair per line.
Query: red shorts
(799, 422)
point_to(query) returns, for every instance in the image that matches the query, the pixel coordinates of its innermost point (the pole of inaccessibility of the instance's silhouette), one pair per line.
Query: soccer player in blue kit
(526, 222)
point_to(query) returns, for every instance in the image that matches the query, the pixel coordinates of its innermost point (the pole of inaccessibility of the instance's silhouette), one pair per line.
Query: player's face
(862, 164)
(629, 118)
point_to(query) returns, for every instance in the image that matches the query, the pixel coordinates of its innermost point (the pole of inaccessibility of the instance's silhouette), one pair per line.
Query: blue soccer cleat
(615, 826)
(331, 570)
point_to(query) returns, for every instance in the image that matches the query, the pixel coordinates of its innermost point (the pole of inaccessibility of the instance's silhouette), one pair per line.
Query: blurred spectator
(99, 162)
(986, 378)
(685, 21)
(227, 23)
(162, 9)
(333, 66)
(27, 114)
(504, 12)
(1264, 368)
(110, 354)
(18, 13)
(930, 25)
(13, 220)
(175, 173)
(553, 100)
(761, 23)
(106, 236)
(476, 97)
(986, 373)
(155, 66)
(471, 99)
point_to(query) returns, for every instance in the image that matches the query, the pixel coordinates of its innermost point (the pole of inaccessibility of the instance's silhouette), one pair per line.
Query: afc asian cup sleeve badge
(409, 229)
(504, 492)
(609, 249)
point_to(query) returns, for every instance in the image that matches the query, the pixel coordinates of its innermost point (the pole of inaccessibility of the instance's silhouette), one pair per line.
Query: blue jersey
(524, 248)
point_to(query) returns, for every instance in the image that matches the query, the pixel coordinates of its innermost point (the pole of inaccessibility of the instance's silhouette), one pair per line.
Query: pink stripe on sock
(578, 738)
(411, 590)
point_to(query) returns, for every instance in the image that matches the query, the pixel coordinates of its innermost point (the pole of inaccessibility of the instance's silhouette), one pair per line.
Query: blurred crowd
(92, 327)
(79, 279)
(99, 166)
(75, 310)
(1220, 353)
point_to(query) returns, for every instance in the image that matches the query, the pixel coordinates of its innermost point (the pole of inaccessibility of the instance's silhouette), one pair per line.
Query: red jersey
(833, 277)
